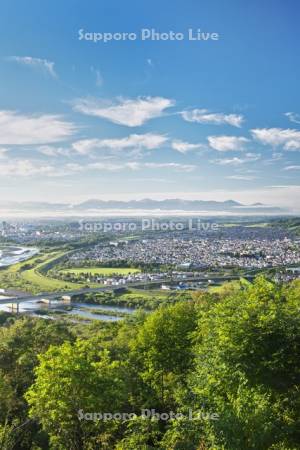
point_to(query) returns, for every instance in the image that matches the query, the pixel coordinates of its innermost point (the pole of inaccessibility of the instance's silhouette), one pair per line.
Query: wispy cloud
(241, 177)
(128, 112)
(227, 143)
(148, 141)
(249, 157)
(206, 117)
(288, 138)
(108, 166)
(98, 76)
(184, 147)
(277, 156)
(50, 150)
(26, 168)
(36, 63)
(20, 129)
(172, 165)
(293, 117)
(135, 166)
(228, 161)
(292, 168)
(32, 168)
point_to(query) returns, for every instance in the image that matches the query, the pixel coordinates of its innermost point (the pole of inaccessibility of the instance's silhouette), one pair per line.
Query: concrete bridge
(13, 305)
(65, 299)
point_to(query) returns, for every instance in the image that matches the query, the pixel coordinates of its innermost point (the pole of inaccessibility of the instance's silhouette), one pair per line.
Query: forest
(226, 365)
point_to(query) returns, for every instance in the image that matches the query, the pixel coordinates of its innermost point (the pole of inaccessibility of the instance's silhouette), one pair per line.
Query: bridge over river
(14, 301)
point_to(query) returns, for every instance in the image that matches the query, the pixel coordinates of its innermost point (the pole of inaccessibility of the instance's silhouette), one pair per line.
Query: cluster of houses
(197, 253)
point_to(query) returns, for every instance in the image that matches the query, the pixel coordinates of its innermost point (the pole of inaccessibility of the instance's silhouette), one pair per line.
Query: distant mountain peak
(232, 202)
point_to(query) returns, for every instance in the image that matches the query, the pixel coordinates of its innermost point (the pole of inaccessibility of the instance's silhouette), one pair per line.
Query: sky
(88, 112)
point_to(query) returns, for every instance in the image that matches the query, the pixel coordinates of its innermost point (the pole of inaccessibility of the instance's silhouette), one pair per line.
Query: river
(12, 254)
(82, 310)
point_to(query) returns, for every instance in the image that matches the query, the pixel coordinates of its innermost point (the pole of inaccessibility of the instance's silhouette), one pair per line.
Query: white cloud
(106, 166)
(288, 138)
(229, 161)
(148, 141)
(227, 143)
(205, 117)
(25, 168)
(129, 112)
(133, 165)
(292, 168)
(184, 147)
(249, 157)
(293, 117)
(241, 177)
(175, 166)
(36, 63)
(19, 129)
(34, 168)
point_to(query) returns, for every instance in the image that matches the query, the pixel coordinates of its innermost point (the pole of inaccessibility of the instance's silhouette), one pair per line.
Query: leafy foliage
(229, 360)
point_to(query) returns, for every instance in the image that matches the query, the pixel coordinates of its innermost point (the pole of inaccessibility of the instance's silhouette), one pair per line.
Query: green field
(246, 225)
(101, 270)
(29, 276)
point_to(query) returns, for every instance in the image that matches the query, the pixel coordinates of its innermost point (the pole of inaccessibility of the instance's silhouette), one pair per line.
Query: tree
(247, 368)
(73, 380)
(20, 343)
(162, 349)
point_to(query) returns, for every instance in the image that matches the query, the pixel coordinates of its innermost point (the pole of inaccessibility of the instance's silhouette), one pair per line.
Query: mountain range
(95, 205)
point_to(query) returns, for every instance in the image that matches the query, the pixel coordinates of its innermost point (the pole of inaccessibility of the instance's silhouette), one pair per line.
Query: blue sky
(211, 119)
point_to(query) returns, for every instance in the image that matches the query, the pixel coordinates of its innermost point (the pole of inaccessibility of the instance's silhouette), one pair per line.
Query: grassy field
(246, 225)
(28, 275)
(259, 225)
(101, 270)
